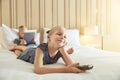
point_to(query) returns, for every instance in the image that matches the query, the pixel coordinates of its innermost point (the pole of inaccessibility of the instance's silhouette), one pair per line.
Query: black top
(47, 59)
(29, 54)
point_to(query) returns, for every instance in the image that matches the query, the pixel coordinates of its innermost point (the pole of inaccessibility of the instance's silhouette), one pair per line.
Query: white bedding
(106, 66)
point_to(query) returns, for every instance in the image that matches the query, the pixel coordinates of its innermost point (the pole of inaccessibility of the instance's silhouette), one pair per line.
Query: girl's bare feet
(70, 51)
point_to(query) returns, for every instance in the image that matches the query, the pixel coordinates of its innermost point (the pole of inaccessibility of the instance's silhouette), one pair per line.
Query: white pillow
(37, 35)
(9, 35)
(73, 37)
(3, 40)
(15, 30)
(45, 35)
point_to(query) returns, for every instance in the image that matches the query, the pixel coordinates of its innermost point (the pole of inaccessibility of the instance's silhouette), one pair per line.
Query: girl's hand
(63, 44)
(72, 68)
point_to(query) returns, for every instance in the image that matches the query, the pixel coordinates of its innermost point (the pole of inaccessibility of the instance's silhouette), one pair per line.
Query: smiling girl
(49, 53)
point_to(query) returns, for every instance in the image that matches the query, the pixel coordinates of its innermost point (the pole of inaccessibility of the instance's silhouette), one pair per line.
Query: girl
(49, 53)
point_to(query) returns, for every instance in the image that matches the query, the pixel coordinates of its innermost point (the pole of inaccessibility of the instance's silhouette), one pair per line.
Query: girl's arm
(40, 69)
(38, 65)
(65, 56)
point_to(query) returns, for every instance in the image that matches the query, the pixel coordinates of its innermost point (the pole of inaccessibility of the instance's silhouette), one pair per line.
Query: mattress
(106, 66)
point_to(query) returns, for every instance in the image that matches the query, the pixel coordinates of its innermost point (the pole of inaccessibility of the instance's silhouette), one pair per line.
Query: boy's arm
(34, 40)
(23, 42)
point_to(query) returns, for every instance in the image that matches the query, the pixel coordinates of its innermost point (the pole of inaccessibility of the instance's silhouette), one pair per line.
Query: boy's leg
(22, 48)
(18, 47)
(17, 52)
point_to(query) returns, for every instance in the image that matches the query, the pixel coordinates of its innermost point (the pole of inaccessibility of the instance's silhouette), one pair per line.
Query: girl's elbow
(36, 71)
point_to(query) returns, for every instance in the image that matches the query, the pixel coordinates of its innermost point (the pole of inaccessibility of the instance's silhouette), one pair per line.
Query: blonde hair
(54, 29)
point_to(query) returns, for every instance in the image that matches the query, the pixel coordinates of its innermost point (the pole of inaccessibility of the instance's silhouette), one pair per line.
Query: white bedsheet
(106, 66)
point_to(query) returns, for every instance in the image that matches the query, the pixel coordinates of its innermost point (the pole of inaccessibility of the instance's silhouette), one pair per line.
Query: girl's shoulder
(43, 46)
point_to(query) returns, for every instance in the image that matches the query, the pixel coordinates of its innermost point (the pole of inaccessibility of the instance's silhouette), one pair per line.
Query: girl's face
(58, 37)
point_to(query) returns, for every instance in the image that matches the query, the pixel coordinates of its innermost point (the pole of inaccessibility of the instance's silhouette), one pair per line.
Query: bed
(106, 66)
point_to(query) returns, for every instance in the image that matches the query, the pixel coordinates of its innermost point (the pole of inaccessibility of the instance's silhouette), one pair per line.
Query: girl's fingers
(73, 65)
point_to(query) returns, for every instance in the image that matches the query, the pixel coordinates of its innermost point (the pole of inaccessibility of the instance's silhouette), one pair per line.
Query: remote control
(85, 67)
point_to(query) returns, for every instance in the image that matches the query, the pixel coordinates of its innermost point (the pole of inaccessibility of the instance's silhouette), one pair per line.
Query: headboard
(41, 31)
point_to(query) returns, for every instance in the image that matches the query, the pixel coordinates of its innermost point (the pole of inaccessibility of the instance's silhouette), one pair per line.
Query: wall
(112, 41)
(0, 13)
(48, 13)
(115, 17)
(68, 13)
